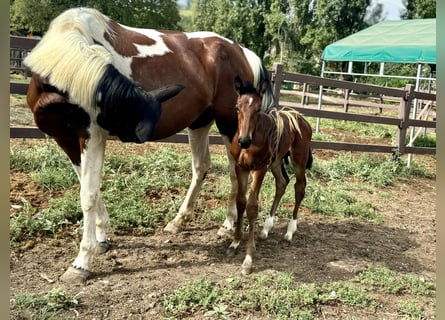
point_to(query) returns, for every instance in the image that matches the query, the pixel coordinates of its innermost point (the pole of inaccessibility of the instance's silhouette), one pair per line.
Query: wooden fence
(281, 80)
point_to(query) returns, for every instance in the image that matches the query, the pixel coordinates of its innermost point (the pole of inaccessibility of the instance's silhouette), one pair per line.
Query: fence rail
(405, 96)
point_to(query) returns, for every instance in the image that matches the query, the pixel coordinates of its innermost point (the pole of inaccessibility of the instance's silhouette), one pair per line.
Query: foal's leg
(281, 182)
(199, 145)
(300, 187)
(252, 215)
(91, 172)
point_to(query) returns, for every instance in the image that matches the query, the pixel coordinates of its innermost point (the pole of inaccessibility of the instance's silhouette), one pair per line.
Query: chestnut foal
(263, 141)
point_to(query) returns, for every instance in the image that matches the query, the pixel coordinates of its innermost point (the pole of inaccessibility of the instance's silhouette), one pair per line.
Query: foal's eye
(236, 108)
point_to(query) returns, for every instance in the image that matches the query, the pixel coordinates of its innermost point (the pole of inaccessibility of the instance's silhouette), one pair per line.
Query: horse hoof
(73, 275)
(172, 227)
(246, 270)
(263, 235)
(102, 247)
(288, 237)
(231, 251)
(225, 233)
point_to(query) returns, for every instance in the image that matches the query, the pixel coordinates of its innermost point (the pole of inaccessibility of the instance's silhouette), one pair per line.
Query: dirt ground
(128, 280)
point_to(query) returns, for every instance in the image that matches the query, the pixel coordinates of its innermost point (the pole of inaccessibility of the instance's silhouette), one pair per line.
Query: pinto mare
(263, 141)
(92, 78)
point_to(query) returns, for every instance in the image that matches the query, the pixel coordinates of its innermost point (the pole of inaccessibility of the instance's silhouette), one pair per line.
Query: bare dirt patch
(129, 279)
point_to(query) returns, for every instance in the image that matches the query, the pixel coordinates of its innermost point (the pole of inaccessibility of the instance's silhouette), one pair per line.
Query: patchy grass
(46, 306)
(281, 297)
(142, 191)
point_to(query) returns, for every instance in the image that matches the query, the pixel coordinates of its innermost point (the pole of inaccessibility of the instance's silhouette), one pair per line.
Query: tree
(32, 16)
(419, 9)
(239, 20)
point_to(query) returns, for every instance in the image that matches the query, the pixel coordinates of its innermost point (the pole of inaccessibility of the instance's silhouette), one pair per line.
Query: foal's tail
(310, 159)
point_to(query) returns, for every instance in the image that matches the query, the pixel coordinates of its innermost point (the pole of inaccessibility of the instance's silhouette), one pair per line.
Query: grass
(281, 297)
(142, 191)
(43, 306)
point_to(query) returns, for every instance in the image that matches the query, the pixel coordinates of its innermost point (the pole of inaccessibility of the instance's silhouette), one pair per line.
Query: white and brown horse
(263, 141)
(93, 77)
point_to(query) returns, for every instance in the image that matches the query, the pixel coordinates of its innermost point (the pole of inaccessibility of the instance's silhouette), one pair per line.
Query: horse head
(126, 109)
(248, 106)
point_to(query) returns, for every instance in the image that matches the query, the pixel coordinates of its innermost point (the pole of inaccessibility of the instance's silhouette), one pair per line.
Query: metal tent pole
(411, 135)
(320, 98)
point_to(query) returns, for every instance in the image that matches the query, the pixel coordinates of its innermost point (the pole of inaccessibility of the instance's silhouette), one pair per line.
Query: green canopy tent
(401, 41)
(391, 41)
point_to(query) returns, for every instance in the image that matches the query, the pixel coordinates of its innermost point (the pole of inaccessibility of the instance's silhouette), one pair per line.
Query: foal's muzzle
(244, 142)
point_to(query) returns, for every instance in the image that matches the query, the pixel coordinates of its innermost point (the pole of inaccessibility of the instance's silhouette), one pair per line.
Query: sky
(391, 8)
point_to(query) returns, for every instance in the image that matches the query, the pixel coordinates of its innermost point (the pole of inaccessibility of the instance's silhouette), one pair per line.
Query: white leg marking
(91, 173)
(199, 145)
(231, 206)
(102, 218)
(235, 244)
(291, 228)
(268, 224)
(246, 268)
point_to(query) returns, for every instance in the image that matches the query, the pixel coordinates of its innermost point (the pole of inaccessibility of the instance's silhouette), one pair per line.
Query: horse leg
(300, 187)
(199, 145)
(102, 220)
(92, 159)
(252, 215)
(241, 201)
(281, 182)
(228, 225)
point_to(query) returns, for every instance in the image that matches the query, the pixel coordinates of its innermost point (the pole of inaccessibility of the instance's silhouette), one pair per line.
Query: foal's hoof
(73, 275)
(173, 227)
(102, 247)
(263, 235)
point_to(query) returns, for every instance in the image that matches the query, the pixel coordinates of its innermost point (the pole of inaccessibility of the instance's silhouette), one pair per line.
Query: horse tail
(68, 57)
(310, 159)
(260, 74)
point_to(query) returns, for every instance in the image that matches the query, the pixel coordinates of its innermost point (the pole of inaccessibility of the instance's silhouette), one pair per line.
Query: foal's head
(248, 107)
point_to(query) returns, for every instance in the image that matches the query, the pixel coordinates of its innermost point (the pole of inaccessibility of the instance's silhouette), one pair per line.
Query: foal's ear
(262, 87)
(238, 85)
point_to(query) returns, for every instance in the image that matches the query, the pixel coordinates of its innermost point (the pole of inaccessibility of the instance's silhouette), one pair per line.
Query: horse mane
(278, 116)
(68, 56)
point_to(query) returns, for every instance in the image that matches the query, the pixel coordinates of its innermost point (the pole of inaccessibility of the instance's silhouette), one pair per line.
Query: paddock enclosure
(375, 97)
(134, 278)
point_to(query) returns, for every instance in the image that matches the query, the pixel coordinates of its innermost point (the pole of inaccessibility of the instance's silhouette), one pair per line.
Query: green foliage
(38, 157)
(334, 200)
(30, 16)
(240, 20)
(201, 293)
(419, 9)
(40, 307)
(379, 172)
(396, 283)
(411, 310)
(280, 297)
(28, 223)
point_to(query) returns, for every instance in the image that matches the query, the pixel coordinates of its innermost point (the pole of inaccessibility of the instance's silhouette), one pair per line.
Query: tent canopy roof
(398, 41)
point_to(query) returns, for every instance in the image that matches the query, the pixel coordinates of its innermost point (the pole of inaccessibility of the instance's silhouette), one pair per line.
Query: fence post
(346, 102)
(277, 70)
(404, 110)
